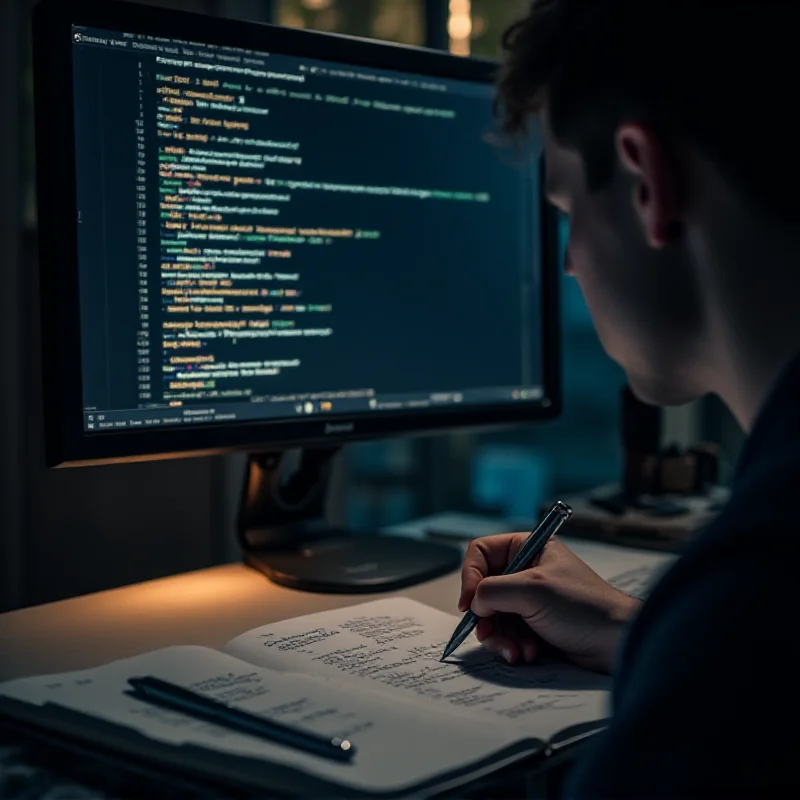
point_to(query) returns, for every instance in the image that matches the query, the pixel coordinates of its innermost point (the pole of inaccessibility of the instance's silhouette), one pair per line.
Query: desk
(208, 608)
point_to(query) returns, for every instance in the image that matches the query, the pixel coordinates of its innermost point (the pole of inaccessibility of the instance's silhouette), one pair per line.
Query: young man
(671, 145)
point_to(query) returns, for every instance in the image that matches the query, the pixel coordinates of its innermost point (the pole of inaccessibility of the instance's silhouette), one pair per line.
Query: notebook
(369, 673)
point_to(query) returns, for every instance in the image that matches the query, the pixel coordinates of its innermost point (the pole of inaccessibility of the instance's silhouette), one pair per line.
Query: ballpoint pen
(558, 514)
(168, 695)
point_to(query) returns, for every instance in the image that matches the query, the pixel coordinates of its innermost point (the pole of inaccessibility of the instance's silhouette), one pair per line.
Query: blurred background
(68, 532)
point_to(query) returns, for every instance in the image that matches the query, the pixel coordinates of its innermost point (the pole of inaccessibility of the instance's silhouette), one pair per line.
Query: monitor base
(348, 564)
(284, 534)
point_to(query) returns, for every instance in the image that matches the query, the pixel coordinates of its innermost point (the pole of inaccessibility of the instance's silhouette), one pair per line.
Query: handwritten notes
(393, 647)
(394, 747)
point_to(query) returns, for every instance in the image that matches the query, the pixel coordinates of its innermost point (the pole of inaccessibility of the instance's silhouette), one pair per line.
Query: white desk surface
(208, 608)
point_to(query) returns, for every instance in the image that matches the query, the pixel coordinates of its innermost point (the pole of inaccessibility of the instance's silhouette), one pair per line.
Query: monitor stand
(285, 535)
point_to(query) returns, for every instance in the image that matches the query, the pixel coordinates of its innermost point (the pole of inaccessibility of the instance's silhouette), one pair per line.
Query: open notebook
(370, 673)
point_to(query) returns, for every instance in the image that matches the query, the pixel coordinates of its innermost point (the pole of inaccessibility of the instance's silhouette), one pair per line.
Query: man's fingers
(487, 556)
(508, 632)
(484, 628)
(530, 649)
(513, 648)
(504, 647)
(510, 594)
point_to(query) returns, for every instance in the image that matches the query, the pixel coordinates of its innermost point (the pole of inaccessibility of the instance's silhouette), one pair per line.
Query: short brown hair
(721, 75)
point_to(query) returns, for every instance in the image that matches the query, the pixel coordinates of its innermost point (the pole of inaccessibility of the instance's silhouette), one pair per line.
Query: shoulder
(733, 570)
(736, 585)
(708, 662)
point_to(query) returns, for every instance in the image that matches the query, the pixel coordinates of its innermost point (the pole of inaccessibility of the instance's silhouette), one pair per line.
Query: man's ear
(656, 195)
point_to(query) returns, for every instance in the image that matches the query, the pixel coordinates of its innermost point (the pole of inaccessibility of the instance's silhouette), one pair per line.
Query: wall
(10, 214)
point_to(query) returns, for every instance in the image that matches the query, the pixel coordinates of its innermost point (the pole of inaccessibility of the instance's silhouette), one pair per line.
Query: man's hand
(559, 602)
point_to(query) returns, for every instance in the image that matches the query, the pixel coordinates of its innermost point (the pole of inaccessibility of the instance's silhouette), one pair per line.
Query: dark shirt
(707, 690)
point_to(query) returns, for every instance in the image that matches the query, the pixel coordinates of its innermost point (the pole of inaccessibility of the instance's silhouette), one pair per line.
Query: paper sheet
(395, 747)
(632, 570)
(393, 646)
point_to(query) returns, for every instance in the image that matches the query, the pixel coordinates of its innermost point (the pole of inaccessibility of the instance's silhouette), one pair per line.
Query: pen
(161, 693)
(558, 514)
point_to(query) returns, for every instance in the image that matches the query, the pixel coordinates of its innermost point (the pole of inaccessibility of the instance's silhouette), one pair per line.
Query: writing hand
(559, 602)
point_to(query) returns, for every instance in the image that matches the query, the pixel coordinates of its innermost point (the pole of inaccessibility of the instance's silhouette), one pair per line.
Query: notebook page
(395, 748)
(633, 571)
(393, 646)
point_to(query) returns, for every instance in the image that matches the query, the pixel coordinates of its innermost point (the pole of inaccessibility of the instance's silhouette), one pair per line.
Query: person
(670, 142)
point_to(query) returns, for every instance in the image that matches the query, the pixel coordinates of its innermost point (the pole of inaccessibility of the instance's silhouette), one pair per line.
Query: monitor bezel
(66, 441)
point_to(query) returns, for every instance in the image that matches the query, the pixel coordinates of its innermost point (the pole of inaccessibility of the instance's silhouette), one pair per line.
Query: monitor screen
(264, 237)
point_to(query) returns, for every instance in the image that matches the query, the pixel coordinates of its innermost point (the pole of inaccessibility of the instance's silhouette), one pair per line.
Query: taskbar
(284, 408)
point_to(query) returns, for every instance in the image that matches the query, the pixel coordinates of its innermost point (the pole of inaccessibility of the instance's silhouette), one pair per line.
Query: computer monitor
(255, 238)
